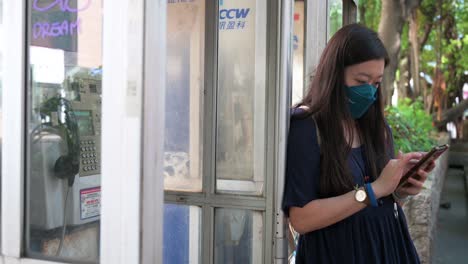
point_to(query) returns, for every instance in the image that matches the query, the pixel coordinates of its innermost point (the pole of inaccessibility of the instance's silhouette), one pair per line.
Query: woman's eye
(361, 82)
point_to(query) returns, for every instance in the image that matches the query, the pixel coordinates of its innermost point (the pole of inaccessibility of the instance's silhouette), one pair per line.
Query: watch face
(360, 195)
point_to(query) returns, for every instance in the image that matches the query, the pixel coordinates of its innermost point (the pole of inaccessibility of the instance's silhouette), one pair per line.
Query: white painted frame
(155, 12)
(14, 39)
(122, 119)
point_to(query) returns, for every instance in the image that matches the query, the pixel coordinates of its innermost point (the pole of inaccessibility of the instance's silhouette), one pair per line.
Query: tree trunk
(439, 88)
(390, 27)
(393, 16)
(414, 41)
(425, 37)
(404, 78)
(427, 97)
(450, 33)
(451, 114)
(439, 84)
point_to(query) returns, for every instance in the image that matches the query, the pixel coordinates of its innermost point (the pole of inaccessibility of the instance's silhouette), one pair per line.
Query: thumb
(409, 156)
(400, 154)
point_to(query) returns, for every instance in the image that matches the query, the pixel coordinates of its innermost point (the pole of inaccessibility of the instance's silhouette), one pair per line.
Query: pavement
(451, 238)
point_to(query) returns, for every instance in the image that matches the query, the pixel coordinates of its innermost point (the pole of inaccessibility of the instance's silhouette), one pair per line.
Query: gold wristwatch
(360, 195)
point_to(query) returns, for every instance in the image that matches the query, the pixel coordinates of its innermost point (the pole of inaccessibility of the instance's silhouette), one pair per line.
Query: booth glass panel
(63, 183)
(181, 234)
(238, 236)
(183, 143)
(298, 53)
(241, 97)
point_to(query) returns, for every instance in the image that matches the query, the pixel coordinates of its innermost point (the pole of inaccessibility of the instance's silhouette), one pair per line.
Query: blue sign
(231, 19)
(233, 13)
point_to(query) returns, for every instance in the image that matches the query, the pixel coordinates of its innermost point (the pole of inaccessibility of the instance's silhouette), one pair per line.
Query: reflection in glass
(238, 236)
(240, 145)
(298, 55)
(85, 122)
(181, 241)
(183, 150)
(64, 125)
(335, 17)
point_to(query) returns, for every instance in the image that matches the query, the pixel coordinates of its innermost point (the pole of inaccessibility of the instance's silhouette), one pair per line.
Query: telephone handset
(68, 165)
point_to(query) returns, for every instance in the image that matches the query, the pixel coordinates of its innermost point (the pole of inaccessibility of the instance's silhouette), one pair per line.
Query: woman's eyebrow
(368, 75)
(364, 74)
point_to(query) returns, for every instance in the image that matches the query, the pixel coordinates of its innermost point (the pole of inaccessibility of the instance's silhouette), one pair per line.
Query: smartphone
(424, 162)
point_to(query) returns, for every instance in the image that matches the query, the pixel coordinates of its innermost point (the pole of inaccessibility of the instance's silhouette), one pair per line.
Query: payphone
(65, 156)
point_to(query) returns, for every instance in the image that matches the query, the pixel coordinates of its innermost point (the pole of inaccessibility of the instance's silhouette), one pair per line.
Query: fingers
(414, 155)
(415, 183)
(430, 167)
(412, 187)
(409, 190)
(422, 175)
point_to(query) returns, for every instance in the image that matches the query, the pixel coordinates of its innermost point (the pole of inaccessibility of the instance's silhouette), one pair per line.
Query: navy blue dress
(372, 235)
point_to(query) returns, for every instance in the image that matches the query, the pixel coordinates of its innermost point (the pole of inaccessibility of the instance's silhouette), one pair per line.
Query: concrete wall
(422, 210)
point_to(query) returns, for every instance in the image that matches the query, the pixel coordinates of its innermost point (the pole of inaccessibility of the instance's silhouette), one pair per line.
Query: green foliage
(370, 13)
(453, 48)
(405, 43)
(412, 127)
(443, 32)
(335, 17)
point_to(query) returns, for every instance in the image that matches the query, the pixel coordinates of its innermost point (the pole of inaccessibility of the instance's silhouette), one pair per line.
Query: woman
(341, 190)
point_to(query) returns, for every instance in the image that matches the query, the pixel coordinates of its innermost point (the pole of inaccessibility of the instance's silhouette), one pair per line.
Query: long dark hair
(327, 103)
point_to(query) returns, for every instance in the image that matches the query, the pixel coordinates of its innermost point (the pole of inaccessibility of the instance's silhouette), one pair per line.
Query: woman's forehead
(370, 69)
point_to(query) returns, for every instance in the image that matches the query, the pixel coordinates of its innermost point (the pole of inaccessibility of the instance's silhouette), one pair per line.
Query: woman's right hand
(392, 173)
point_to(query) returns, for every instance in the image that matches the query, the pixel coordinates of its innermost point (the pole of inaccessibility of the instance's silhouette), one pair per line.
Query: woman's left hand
(416, 182)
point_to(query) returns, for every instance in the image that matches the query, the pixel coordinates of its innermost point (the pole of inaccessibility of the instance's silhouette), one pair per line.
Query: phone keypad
(90, 160)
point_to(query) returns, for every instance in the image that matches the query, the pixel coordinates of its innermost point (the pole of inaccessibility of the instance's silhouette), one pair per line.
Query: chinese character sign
(235, 15)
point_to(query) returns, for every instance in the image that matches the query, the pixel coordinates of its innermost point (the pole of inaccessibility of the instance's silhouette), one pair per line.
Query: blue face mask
(360, 98)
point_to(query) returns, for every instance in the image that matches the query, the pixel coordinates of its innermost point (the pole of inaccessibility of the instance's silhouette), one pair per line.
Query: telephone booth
(139, 131)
